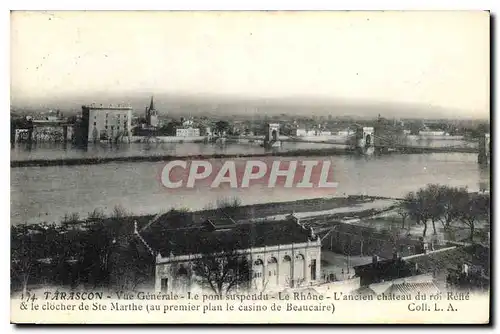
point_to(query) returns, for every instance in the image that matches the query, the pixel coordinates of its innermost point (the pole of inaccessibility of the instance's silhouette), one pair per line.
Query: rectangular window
(164, 284)
(95, 123)
(270, 273)
(106, 127)
(313, 269)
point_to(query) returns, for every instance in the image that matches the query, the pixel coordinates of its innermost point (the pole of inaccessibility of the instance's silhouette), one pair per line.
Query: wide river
(48, 193)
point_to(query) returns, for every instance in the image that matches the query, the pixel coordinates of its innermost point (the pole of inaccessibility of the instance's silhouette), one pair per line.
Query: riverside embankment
(160, 157)
(292, 153)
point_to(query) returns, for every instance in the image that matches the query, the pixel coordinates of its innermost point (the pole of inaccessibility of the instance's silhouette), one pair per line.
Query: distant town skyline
(435, 61)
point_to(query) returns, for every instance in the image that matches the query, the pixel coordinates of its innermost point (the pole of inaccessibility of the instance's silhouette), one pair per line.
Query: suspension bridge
(365, 140)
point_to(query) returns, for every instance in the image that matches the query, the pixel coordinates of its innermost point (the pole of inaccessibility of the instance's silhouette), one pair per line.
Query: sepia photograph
(285, 167)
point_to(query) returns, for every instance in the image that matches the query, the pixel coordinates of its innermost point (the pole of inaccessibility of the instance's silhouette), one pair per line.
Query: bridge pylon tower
(272, 135)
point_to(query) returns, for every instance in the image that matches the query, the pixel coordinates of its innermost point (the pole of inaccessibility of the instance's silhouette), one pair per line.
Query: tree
(416, 204)
(23, 256)
(449, 200)
(130, 267)
(102, 240)
(70, 219)
(221, 127)
(119, 212)
(403, 212)
(474, 208)
(220, 267)
(96, 214)
(432, 201)
(229, 207)
(169, 129)
(31, 245)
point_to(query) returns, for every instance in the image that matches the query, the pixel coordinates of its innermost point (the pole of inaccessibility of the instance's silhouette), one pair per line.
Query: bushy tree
(446, 204)
(473, 209)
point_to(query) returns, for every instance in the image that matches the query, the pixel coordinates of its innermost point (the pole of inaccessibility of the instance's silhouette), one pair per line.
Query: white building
(107, 123)
(187, 123)
(432, 133)
(187, 132)
(301, 132)
(282, 254)
(346, 133)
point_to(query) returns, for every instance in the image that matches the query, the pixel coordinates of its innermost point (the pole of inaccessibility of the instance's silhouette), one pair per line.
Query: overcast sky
(432, 58)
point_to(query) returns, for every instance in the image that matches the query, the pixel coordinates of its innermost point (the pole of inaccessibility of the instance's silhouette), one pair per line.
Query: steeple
(152, 104)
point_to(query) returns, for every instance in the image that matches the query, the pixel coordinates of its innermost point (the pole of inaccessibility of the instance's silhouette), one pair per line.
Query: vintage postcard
(250, 167)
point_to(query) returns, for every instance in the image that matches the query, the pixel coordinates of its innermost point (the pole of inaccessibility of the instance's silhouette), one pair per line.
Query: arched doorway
(368, 141)
(182, 279)
(272, 271)
(299, 269)
(274, 135)
(286, 271)
(258, 273)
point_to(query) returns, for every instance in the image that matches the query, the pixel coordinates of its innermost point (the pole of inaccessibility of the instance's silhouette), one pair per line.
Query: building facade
(112, 123)
(187, 132)
(281, 255)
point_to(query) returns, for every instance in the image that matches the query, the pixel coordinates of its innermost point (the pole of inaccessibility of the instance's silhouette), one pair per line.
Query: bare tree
(403, 212)
(229, 208)
(96, 214)
(23, 256)
(71, 218)
(221, 267)
(119, 212)
(228, 203)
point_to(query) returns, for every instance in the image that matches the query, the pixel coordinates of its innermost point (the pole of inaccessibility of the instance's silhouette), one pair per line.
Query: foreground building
(281, 254)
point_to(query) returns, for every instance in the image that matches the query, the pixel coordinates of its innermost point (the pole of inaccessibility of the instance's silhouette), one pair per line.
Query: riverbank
(169, 157)
(160, 157)
(343, 206)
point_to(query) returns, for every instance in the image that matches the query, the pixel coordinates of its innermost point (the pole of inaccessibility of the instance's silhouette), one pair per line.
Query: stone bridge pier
(365, 139)
(272, 138)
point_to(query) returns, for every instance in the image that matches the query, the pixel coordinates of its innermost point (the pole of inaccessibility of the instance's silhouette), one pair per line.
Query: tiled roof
(249, 235)
(408, 288)
(364, 291)
(392, 268)
(440, 262)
